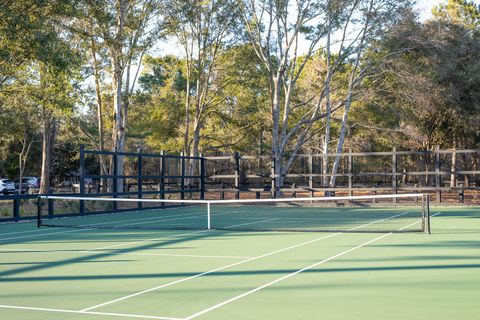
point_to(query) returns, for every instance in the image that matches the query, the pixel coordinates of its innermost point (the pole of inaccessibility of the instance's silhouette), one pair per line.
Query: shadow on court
(241, 273)
(159, 242)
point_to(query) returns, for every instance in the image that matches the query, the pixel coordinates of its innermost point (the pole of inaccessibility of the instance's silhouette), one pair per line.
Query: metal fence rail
(452, 172)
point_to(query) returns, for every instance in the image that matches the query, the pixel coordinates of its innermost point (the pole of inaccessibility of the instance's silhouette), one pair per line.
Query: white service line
(18, 232)
(31, 250)
(229, 266)
(123, 315)
(205, 273)
(43, 234)
(283, 278)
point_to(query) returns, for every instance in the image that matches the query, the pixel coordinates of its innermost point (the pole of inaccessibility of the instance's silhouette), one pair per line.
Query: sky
(424, 8)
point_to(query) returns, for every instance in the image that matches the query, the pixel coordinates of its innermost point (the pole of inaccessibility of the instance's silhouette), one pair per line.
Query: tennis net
(376, 213)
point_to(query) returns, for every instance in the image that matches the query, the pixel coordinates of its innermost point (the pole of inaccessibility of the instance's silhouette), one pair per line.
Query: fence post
(310, 171)
(115, 180)
(140, 177)
(202, 177)
(394, 173)
(82, 179)
(50, 208)
(161, 187)
(182, 180)
(438, 182)
(16, 209)
(350, 172)
(453, 170)
(236, 158)
(272, 177)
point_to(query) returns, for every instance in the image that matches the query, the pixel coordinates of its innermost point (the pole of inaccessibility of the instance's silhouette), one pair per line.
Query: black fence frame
(84, 175)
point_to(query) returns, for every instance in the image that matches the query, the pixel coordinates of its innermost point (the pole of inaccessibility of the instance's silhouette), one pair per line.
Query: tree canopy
(276, 78)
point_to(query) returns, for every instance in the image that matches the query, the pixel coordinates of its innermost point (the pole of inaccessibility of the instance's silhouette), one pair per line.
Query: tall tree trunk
(351, 87)
(116, 52)
(118, 125)
(22, 158)
(328, 107)
(48, 137)
(101, 134)
(277, 152)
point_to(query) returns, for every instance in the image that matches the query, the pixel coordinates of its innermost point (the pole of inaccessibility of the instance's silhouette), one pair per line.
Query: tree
(41, 71)
(127, 28)
(205, 30)
(276, 31)
(18, 115)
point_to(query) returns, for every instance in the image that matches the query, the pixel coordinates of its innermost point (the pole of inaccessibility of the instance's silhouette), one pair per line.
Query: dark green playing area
(91, 273)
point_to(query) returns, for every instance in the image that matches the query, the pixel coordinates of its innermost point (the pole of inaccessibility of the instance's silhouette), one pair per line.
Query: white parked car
(29, 184)
(7, 186)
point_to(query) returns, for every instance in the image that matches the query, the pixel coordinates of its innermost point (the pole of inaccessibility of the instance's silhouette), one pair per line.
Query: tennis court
(126, 273)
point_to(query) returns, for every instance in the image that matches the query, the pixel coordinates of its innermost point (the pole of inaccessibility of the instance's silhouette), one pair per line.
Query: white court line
(249, 223)
(221, 304)
(18, 232)
(125, 315)
(125, 253)
(154, 239)
(228, 266)
(283, 278)
(123, 222)
(127, 220)
(205, 273)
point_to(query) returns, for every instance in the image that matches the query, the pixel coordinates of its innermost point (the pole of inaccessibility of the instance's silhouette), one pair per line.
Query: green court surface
(63, 273)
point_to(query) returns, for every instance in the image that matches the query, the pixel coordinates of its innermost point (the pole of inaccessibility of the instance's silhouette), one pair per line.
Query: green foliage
(429, 83)
(460, 12)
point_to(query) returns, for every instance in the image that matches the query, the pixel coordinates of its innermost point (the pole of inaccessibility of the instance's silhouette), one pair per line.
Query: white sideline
(229, 266)
(125, 315)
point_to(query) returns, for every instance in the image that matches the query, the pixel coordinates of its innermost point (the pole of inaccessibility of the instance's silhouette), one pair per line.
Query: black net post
(82, 179)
